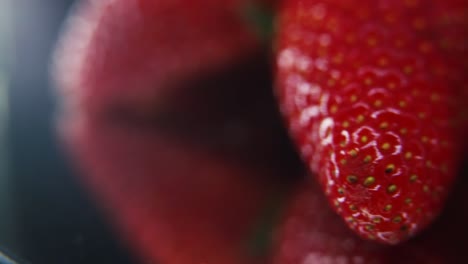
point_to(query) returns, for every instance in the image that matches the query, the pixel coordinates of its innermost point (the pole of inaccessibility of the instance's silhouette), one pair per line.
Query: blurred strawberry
(175, 203)
(452, 38)
(138, 52)
(193, 183)
(313, 233)
(168, 111)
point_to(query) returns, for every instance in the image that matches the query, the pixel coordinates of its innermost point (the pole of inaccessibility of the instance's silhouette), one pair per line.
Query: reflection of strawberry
(169, 113)
(312, 233)
(370, 97)
(452, 37)
(138, 51)
(189, 184)
(173, 202)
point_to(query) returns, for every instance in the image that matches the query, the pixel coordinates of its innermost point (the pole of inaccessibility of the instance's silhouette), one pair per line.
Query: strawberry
(370, 97)
(151, 93)
(191, 183)
(171, 202)
(138, 52)
(312, 233)
(452, 35)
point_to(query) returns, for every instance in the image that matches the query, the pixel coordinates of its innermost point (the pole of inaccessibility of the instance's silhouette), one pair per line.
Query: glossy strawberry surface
(312, 233)
(372, 100)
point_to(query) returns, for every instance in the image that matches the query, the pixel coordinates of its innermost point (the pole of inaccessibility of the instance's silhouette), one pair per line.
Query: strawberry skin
(136, 52)
(312, 233)
(370, 97)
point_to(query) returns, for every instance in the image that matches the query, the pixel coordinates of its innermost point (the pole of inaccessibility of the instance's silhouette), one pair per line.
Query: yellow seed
(384, 125)
(352, 207)
(364, 139)
(334, 109)
(386, 146)
(345, 124)
(426, 188)
(408, 155)
(369, 227)
(343, 162)
(368, 81)
(429, 164)
(352, 179)
(408, 200)
(413, 178)
(403, 131)
(337, 203)
(338, 59)
(422, 115)
(353, 98)
(378, 103)
(390, 168)
(372, 41)
(383, 61)
(376, 219)
(353, 153)
(369, 181)
(360, 118)
(392, 188)
(419, 23)
(391, 85)
(424, 139)
(367, 159)
(388, 207)
(340, 190)
(397, 219)
(408, 69)
(402, 104)
(411, 3)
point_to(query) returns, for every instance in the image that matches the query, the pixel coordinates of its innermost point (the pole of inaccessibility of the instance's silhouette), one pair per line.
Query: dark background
(50, 220)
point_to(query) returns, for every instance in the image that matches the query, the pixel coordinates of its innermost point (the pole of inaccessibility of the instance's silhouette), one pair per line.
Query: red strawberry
(175, 204)
(137, 52)
(371, 103)
(151, 97)
(313, 233)
(452, 37)
(189, 184)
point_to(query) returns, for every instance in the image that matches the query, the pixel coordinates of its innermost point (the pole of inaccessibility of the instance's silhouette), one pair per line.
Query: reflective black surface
(49, 219)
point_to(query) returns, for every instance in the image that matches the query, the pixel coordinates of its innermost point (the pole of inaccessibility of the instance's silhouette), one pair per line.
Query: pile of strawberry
(211, 133)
